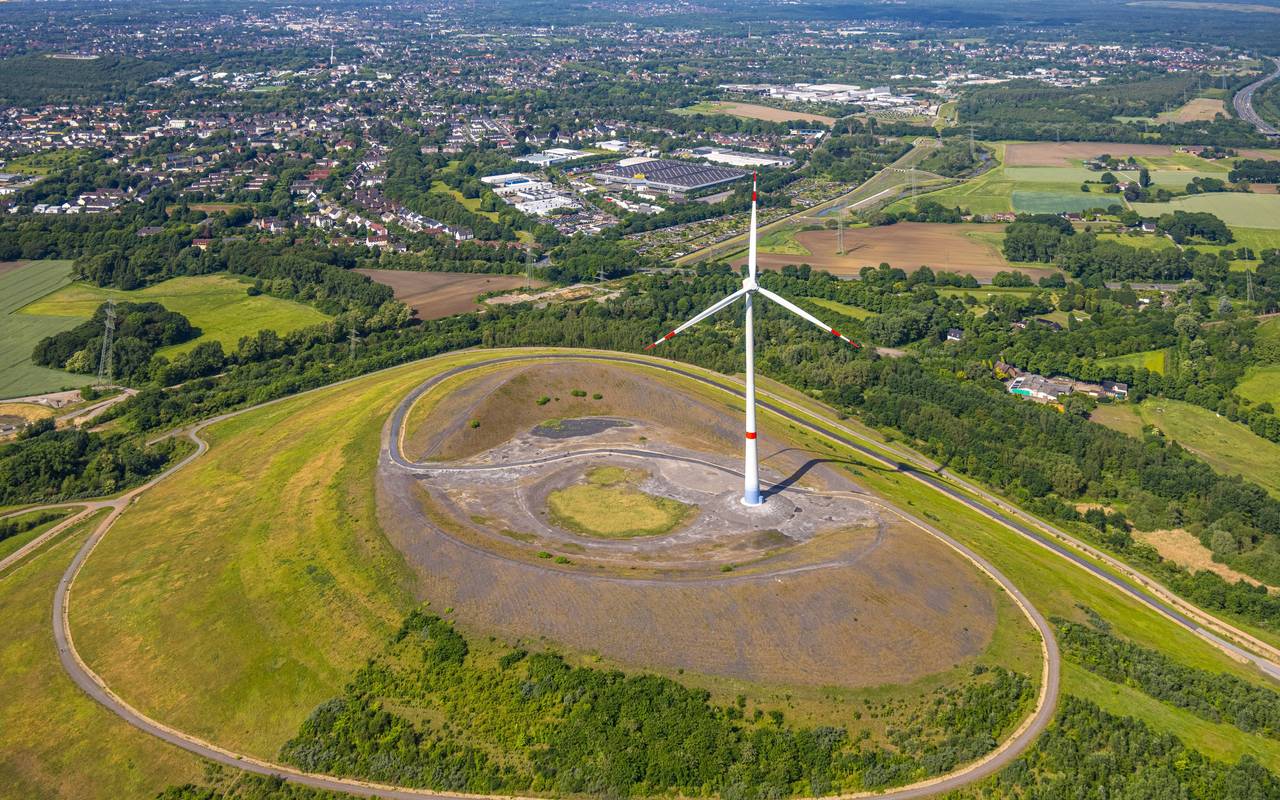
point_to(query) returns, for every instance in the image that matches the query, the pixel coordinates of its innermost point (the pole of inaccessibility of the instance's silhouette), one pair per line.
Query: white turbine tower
(751, 470)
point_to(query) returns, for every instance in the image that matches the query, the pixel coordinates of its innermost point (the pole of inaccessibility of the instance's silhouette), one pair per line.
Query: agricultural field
(1066, 154)
(23, 282)
(442, 294)
(216, 304)
(972, 249)
(753, 111)
(1234, 208)
(1228, 446)
(1151, 360)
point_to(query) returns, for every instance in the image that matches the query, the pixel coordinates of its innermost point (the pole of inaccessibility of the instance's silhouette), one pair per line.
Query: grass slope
(1261, 385)
(19, 333)
(1229, 446)
(258, 574)
(260, 568)
(217, 304)
(54, 740)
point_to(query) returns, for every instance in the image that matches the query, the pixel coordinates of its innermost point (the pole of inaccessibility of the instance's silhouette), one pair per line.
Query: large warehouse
(671, 177)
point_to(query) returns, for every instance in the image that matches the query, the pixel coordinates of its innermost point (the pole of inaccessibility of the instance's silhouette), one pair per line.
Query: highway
(95, 687)
(1243, 102)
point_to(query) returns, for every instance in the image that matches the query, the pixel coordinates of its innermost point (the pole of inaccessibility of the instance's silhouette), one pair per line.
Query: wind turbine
(751, 470)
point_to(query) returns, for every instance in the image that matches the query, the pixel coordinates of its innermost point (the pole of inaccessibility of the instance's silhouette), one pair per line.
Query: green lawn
(20, 332)
(841, 308)
(54, 740)
(217, 304)
(1152, 360)
(472, 204)
(1228, 446)
(1261, 385)
(1234, 208)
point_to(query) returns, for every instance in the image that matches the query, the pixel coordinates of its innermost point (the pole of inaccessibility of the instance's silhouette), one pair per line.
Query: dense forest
(140, 329)
(41, 78)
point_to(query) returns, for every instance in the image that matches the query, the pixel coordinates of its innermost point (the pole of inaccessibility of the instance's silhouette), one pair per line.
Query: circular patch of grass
(608, 506)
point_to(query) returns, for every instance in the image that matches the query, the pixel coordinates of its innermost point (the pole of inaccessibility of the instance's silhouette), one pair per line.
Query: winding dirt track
(92, 684)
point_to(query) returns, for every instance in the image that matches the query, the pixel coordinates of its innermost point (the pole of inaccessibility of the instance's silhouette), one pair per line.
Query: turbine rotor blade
(800, 312)
(717, 306)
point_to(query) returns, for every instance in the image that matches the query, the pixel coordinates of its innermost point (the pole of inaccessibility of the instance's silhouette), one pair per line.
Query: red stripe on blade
(671, 335)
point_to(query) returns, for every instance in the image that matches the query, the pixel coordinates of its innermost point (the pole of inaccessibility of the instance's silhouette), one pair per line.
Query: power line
(108, 333)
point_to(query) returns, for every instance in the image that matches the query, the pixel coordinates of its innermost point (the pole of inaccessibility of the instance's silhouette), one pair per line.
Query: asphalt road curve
(1243, 101)
(93, 685)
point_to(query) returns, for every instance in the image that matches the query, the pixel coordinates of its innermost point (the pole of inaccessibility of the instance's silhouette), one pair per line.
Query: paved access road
(1243, 101)
(93, 685)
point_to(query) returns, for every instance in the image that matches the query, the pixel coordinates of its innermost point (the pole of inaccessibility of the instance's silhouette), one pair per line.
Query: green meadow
(218, 305)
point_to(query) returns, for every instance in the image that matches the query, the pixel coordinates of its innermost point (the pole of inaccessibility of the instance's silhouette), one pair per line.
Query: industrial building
(737, 158)
(670, 177)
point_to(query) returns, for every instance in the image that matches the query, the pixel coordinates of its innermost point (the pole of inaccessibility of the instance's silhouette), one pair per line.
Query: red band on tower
(669, 336)
(835, 332)
(751, 434)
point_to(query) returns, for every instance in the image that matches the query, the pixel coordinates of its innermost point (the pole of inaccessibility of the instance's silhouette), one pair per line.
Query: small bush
(475, 423)
(578, 393)
(542, 401)
(597, 396)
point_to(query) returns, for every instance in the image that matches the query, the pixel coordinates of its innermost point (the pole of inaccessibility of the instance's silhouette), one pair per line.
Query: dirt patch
(769, 114)
(441, 294)
(907, 245)
(1184, 549)
(1061, 154)
(507, 403)
(1264, 188)
(880, 601)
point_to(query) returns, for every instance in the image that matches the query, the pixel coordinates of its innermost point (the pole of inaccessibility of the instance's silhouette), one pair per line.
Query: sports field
(1234, 208)
(218, 305)
(22, 282)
